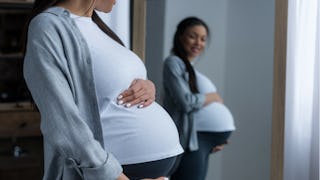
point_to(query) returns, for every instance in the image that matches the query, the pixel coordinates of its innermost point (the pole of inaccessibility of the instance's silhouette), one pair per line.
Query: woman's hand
(159, 178)
(219, 148)
(213, 97)
(122, 177)
(140, 92)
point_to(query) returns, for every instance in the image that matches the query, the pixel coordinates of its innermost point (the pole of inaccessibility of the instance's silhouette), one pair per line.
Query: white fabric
(302, 91)
(214, 117)
(132, 134)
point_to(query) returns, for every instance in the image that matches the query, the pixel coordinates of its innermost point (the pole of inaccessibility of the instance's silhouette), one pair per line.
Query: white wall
(248, 88)
(239, 60)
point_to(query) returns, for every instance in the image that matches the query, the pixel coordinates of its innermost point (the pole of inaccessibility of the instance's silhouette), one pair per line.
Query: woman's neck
(78, 7)
(191, 59)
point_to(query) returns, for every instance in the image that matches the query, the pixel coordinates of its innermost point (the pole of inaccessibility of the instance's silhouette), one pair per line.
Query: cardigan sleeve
(175, 82)
(62, 125)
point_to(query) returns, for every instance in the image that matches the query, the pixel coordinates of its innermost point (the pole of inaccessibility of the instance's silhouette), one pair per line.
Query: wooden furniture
(21, 146)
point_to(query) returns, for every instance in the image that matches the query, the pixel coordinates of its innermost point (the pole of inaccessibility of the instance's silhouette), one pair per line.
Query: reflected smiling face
(104, 5)
(194, 41)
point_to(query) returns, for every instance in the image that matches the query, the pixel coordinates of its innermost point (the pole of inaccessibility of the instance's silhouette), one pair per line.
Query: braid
(105, 28)
(189, 68)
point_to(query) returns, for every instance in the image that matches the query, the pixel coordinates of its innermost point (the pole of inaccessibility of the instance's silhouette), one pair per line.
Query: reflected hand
(219, 148)
(140, 92)
(213, 97)
(217, 98)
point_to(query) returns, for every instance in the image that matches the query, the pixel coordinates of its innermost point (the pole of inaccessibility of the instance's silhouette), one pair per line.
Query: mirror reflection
(239, 60)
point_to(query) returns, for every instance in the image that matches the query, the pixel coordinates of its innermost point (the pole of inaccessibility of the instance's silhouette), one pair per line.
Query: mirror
(239, 60)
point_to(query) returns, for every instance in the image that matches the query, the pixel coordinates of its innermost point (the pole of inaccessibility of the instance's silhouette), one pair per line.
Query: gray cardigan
(180, 102)
(58, 73)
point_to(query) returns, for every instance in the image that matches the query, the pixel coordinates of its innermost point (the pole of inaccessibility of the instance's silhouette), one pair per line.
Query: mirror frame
(279, 89)
(279, 74)
(139, 13)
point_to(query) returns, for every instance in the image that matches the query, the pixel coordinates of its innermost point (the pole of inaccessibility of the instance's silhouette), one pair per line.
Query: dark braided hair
(179, 51)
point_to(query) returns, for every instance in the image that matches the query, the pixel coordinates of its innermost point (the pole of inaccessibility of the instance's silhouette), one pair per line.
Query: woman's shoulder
(174, 64)
(49, 24)
(174, 60)
(49, 19)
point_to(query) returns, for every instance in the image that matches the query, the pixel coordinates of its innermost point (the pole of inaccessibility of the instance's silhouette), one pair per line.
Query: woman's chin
(104, 10)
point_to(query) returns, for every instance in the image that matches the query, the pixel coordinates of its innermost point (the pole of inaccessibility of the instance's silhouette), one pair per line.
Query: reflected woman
(204, 122)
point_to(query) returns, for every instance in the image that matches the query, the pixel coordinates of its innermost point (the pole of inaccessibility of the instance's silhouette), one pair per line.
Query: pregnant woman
(98, 116)
(204, 122)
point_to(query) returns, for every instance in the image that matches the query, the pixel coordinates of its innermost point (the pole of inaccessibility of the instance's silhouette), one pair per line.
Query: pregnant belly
(214, 117)
(136, 135)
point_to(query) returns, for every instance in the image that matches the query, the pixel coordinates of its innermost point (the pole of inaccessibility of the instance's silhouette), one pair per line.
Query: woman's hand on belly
(213, 97)
(140, 92)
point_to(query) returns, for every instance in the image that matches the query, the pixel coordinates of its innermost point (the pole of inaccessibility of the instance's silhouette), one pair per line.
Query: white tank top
(133, 135)
(214, 117)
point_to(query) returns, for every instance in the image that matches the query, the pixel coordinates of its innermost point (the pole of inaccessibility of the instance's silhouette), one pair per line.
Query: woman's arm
(213, 97)
(176, 85)
(63, 125)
